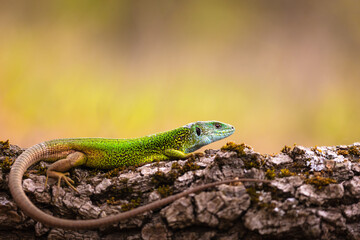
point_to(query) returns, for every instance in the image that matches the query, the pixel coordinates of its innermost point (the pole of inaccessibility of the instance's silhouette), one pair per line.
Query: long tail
(38, 152)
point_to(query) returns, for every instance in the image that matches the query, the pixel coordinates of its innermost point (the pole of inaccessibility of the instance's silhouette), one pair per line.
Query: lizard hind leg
(58, 169)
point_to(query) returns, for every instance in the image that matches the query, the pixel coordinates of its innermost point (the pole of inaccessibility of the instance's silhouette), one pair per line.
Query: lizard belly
(119, 159)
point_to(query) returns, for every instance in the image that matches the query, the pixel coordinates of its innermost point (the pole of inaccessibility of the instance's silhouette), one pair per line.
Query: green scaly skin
(111, 153)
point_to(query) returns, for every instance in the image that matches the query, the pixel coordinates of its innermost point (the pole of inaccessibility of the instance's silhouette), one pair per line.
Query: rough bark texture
(314, 195)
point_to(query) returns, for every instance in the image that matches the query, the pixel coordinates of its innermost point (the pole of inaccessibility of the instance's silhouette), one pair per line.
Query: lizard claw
(68, 181)
(47, 177)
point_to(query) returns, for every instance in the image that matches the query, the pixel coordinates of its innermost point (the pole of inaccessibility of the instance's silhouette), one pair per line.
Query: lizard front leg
(58, 169)
(176, 154)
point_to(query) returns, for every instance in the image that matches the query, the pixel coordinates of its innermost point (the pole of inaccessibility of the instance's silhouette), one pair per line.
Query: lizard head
(206, 132)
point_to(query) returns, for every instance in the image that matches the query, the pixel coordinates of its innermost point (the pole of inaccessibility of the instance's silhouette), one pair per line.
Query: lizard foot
(62, 176)
(68, 180)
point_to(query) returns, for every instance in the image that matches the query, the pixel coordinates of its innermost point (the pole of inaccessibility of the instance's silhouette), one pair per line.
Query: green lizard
(111, 153)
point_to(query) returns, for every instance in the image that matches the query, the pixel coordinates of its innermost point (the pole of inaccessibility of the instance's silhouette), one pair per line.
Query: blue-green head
(205, 132)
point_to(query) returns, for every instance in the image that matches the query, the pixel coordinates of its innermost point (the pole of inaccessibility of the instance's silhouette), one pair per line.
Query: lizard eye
(198, 131)
(217, 125)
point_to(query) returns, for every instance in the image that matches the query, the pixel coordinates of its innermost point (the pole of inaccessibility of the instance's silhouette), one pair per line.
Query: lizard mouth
(227, 132)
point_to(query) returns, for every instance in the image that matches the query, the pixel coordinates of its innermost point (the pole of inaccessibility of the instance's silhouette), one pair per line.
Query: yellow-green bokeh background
(281, 72)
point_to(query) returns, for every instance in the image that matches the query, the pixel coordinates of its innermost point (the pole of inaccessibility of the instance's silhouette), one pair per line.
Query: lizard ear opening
(198, 131)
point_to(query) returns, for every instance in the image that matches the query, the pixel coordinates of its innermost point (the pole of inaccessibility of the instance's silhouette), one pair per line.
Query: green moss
(126, 206)
(94, 171)
(125, 191)
(118, 195)
(286, 149)
(124, 180)
(132, 168)
(163, 179)
(134, 203)
(5, 164)
(197, 155)
(253, 161)
(319, 182)
(189, 165)
(343, 152)
(4, 145)
(165, 191)
(122, 193)
(285, 173)
(354, 150)
(250, 160)
(231, 146)
(114, 172)
(159, 178)
(175, 165)
(270, 174)
(316, 150)
(40, 170)
(254, 196)
(267, 205)
(250, 164)
(299, 165)
(112, 201)
(299, 151)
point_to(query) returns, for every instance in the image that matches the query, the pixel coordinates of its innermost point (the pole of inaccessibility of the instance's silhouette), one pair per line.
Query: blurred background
(281, 72)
